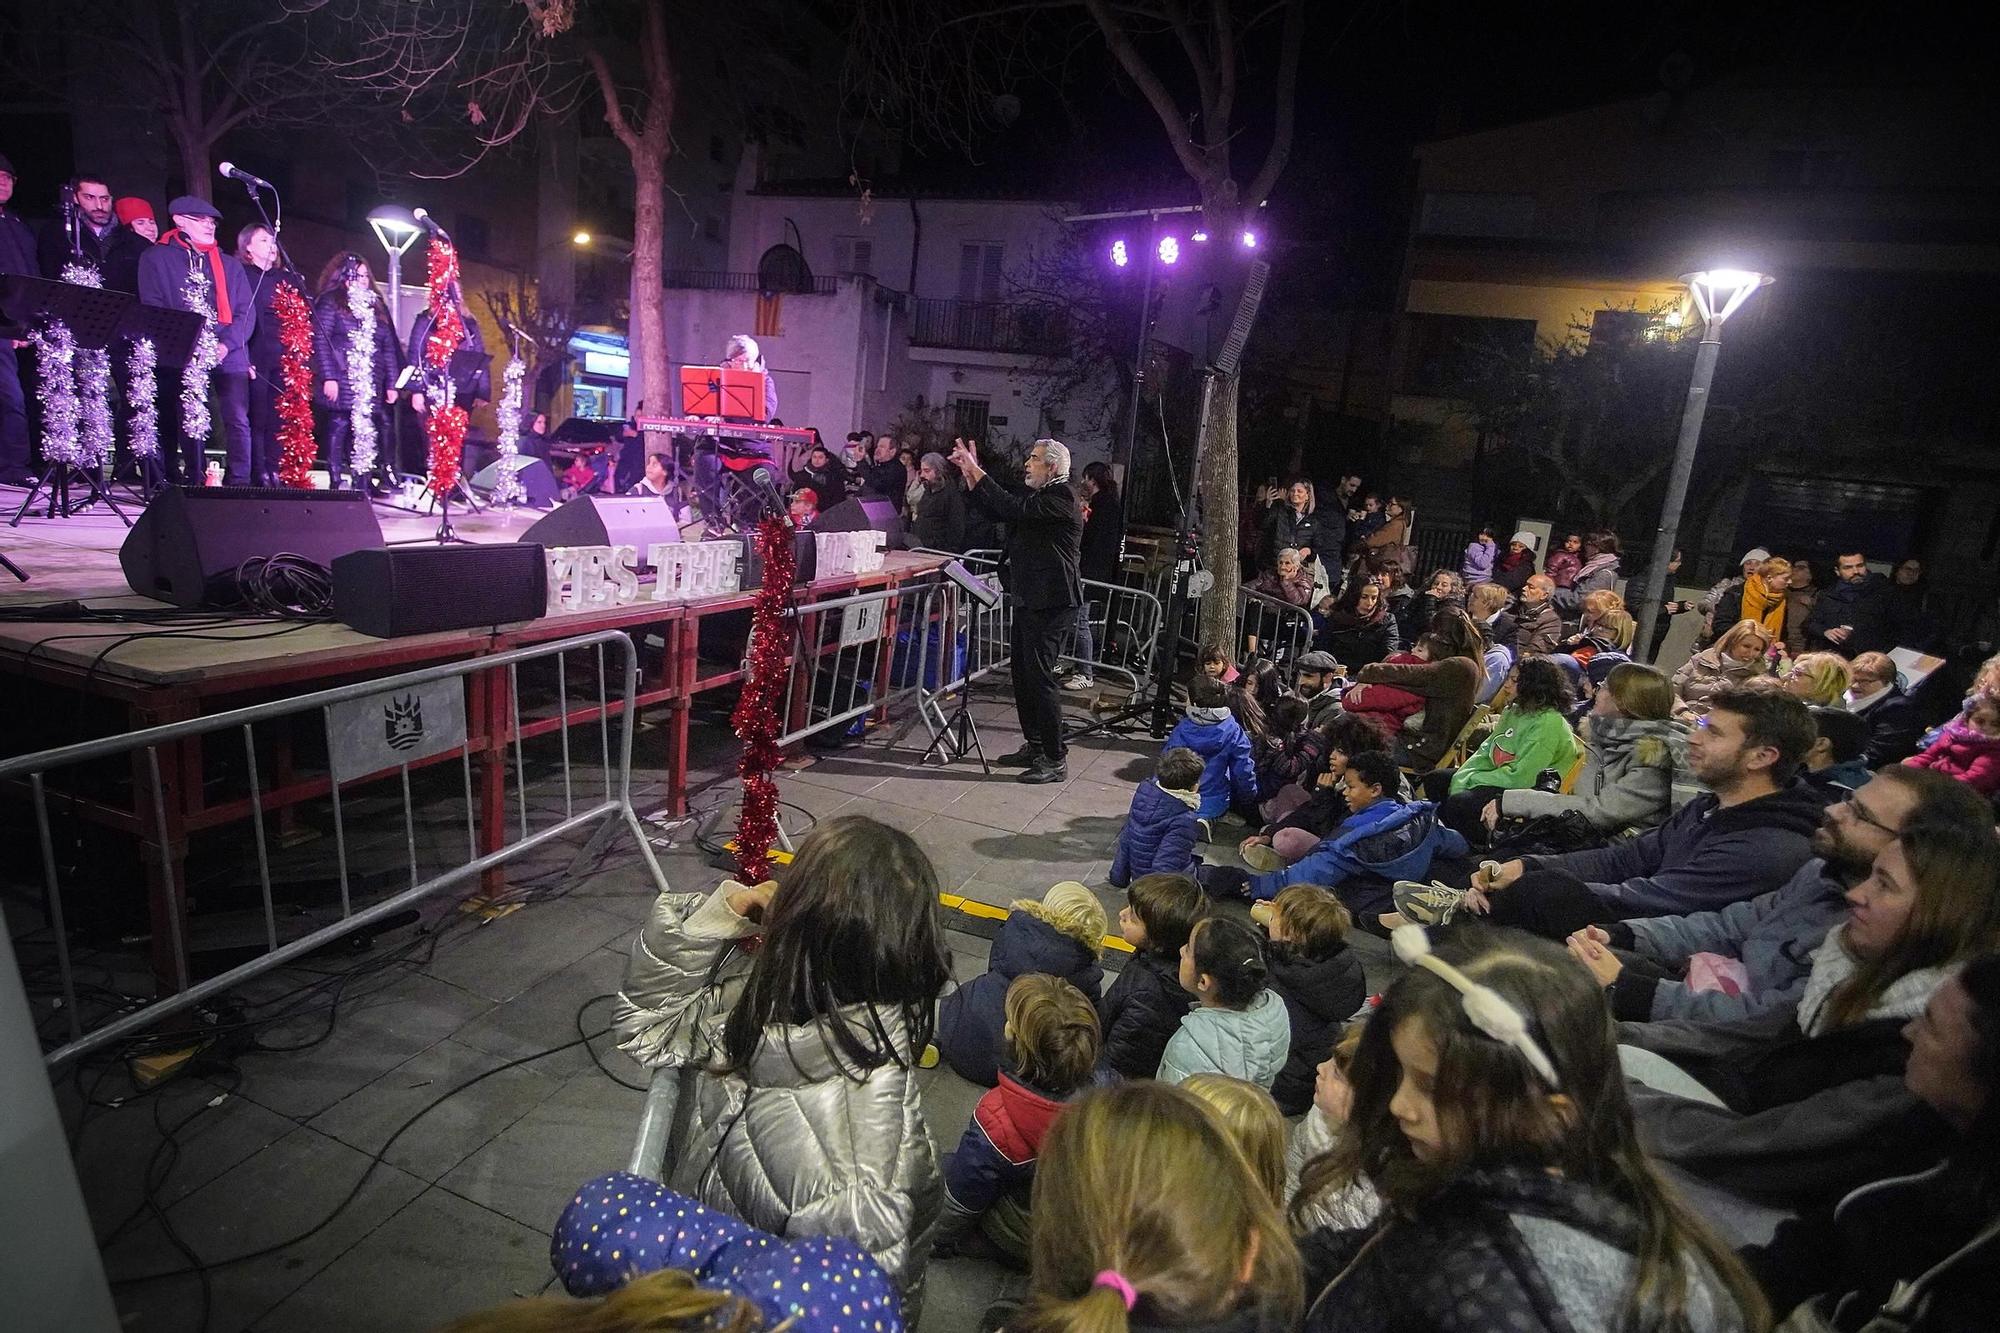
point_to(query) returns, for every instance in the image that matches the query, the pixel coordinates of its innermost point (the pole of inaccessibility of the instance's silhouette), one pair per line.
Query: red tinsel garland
(446, 426)
(296, 446)
(756, 717)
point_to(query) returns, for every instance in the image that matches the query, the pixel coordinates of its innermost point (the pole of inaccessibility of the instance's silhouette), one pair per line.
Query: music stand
(701, 391)
(94, 317)
(173, 334)
(742, 395)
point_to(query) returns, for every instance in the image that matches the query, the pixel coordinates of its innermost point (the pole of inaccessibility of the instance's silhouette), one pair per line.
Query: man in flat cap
(187, 270)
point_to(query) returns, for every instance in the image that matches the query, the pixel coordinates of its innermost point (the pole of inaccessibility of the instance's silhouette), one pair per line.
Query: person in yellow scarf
(1764, 595)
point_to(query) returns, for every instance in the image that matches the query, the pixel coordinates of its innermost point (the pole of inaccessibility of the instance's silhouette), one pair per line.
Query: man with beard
(1644, 963)
(106, 245)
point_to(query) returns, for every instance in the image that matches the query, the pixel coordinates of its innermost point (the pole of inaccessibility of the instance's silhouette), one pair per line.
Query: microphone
(429, 223)
(234, 172)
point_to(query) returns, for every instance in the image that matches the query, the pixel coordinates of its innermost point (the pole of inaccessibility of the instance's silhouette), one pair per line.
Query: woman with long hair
(1490, 1114)
(1148, 1216)
(1294, 525)
(1795, 1105)
(1358, 629)
(806, 1119)
(356, 362)
(1725, 664)
(1531, 734)
(1917, 1251)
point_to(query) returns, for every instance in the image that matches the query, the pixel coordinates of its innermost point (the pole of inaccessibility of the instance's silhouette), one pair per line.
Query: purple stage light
(1249, 240)
(1119, 255)
(1201, 237)
(1170, 250)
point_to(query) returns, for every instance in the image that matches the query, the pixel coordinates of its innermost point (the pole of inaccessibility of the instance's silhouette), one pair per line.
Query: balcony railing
(696, 280)
(989, 326)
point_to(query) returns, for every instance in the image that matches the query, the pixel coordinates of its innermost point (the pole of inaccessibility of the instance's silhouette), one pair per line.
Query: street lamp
(1718, 293)
(397, 229)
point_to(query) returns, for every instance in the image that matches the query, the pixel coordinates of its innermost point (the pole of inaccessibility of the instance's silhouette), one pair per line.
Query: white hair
(1291, 551)
(1057, 455)
(743, 345)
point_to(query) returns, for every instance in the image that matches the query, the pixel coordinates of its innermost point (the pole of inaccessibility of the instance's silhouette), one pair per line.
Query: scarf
(1764, 604)
(214, 253)
(1606, 560)
(1904, 998)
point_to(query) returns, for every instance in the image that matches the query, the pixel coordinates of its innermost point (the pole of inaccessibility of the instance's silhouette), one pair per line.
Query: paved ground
(457, 1214)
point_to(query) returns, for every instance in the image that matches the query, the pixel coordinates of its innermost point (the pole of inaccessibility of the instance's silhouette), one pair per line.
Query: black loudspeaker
(186, 547)
(805, 561)
(600, 520)
(862, 513)
(536, 480)
(399, 590)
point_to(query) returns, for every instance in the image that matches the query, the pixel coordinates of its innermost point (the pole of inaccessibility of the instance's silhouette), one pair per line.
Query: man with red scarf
(186, 271)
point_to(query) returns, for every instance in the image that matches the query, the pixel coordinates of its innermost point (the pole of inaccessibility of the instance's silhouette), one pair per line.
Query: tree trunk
(647, 382)
(1217, 488)
(196, 168)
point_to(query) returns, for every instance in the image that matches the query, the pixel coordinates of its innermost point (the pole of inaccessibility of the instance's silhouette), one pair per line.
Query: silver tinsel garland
(55, 351)
(507, 489)
(207, 355)
(142, 388)
(361, 441)
(93, 380)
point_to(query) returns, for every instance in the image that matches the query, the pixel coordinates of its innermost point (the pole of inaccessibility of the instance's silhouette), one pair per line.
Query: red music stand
(742, 395)
(701, 391)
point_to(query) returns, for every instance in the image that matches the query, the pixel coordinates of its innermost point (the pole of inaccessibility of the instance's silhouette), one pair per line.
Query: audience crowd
(1696, 1025)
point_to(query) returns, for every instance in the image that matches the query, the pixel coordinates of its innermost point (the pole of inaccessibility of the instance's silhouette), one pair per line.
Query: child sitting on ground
(805, 1044)
(1161, 828)
(1238, 1026)
(1052, 1043)
(1250, 1118)
(1318, 977)
(1061, 935)
(1143, 1009)
(1294, 750)
(1837, 764)
(1968, 748)
(1229, 776)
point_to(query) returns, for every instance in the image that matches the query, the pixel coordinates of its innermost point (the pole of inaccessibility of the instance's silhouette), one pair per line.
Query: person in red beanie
(137, 233)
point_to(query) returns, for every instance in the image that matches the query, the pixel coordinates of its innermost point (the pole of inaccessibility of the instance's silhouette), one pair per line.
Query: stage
(73, 682)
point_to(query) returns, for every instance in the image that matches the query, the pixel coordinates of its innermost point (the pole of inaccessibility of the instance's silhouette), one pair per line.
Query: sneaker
(1045, 771)
(1207, 830)
(1429, 904)
(1079, 682)
(1025, 757)
(1261, 859)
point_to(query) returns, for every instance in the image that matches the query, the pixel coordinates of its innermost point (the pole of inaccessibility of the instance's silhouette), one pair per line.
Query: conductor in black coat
(1039, 571)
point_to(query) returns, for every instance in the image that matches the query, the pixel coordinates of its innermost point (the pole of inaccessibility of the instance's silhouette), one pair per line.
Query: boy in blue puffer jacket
(1229, 773)
(1382, 840)
(1161, 829)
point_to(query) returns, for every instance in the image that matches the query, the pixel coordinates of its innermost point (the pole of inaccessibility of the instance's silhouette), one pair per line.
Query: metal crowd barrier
(1282, 632)
(376, 732)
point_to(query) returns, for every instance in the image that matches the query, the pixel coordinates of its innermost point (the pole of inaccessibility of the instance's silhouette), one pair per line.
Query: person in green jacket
(1531, 735)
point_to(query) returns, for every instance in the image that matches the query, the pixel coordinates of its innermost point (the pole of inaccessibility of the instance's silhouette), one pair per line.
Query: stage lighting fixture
(1119, 255)
(1249, 240)
(1170, 250)
(1201, 237)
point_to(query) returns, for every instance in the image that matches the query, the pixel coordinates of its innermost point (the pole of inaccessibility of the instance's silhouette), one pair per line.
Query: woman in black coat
(1358, 629)
(1294, 524)
(338, 382)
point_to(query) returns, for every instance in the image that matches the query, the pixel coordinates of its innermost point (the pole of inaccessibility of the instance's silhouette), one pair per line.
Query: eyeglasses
(1860, 812)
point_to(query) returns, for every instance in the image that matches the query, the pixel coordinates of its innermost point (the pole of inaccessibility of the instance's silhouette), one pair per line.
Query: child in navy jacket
(1229, 772)
(1061, 935)
(1052, 1044)
(1145, 1005)
(1161, 829)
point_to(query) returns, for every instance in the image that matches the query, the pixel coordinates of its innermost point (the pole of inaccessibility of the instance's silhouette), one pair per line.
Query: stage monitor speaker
(601, 520)
(536, 480)
(399, 590)
(186, 547)
(805, 561)
(862, 513)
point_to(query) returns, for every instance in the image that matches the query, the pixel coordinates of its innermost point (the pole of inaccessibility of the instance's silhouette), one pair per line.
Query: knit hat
(130, 207)
(187, 206)
(935, 461)
(1526, 539)
(1756, 553)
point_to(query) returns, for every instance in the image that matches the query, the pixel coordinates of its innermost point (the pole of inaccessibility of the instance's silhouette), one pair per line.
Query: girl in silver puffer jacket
(807, 1120)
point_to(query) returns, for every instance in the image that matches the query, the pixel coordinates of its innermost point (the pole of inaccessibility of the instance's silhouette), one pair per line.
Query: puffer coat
(1320, 995)
(1251, 1043)
(1625, 780)
(799, 1143)
(333, 326)
(1707, 674)
(973, 1018)
(1140, 1014)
